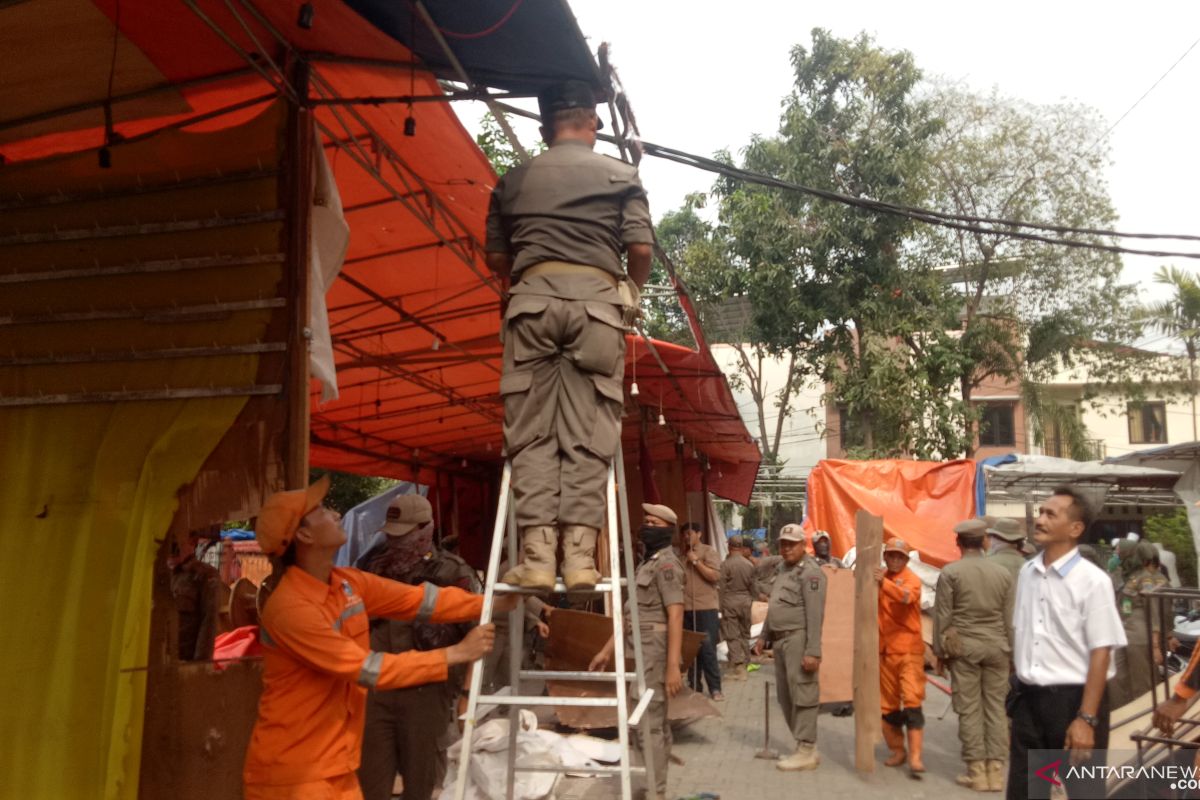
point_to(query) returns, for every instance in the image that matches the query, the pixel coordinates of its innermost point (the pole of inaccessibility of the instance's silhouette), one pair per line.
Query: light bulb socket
(633, 389)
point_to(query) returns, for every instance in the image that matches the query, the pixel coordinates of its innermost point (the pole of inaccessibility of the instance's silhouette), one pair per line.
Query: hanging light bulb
(437, 343)
(633, 390)
(681, 438)
(662, 421)
(464, 463)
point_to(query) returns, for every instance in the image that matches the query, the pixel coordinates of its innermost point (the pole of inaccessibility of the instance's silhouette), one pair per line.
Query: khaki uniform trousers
(735, 629)
(406, 732)
(562, 385)
(980, 684)
(654, 724)
(799, 692)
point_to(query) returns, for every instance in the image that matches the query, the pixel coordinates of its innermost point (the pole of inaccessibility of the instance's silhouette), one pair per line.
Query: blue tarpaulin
(362, 523)
(981, 479)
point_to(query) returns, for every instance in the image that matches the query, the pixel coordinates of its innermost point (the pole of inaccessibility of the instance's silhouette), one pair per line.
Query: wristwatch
(1089, 719)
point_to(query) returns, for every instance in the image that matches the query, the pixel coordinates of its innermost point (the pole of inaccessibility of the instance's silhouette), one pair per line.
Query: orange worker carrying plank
(901, 657)
(318, 664)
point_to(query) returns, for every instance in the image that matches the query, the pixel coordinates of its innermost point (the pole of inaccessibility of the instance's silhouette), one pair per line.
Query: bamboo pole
(869, 543)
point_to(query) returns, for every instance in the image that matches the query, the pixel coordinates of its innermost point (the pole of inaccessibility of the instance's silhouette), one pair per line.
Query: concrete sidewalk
(718, 756)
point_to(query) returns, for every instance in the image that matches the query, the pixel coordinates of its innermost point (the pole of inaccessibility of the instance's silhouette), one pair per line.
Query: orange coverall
(317, 668)
(901, 648)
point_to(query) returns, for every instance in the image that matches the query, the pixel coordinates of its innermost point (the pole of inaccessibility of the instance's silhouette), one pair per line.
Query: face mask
(996, 548)
(655, 538)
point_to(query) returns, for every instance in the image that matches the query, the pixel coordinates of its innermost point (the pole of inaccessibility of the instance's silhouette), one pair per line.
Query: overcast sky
(706, 75)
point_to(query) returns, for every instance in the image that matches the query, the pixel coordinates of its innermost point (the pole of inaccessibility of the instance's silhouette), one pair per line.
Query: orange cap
(280, 516)
(896, 545)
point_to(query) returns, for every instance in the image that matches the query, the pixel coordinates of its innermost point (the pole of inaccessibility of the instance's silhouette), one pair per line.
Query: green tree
(347, 490)
(1171, 530)
(498, 148)
(1028, 309)
(1179, 318)
(838, 289)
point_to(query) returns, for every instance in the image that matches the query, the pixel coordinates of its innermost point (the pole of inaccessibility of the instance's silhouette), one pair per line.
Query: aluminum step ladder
(513, 698)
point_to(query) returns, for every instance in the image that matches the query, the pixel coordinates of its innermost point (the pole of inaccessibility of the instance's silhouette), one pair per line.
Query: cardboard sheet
(837, 637)
(575, 637)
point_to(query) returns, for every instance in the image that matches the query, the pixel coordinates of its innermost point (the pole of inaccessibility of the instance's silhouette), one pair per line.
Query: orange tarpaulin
(920, 501)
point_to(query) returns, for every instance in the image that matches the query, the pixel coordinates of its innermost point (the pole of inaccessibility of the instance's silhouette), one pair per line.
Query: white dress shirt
(1062, 613)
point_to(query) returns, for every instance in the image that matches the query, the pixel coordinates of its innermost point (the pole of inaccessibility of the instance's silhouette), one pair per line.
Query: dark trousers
(707, 622)
(1040, 718)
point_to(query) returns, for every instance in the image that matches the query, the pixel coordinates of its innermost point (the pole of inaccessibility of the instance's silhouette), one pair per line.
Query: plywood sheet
(575, 637)
(837, 637)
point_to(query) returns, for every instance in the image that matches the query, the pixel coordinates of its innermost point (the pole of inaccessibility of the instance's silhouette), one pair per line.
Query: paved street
(718, 756)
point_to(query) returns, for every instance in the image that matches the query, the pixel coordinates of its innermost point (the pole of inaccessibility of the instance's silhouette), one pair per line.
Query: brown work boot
(579, 557)
(536, 571)
(916, 738)
(995, 775)
(975, 777)
(894, 736)
(805, 757)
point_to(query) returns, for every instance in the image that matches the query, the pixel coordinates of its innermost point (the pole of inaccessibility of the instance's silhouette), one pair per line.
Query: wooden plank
(867, 731)
(297, 188)
(837, 637)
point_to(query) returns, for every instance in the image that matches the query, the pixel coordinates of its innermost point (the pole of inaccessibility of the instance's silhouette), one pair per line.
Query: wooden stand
(869, 543)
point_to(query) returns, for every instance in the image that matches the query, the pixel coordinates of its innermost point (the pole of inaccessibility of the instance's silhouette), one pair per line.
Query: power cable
(1129, 110)
(921, 215)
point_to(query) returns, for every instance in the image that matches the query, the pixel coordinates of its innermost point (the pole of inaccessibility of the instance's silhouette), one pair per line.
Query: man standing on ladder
(556, 229)
(659, 597)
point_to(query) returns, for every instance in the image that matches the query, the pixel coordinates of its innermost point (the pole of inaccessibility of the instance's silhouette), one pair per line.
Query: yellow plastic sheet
(85, 492)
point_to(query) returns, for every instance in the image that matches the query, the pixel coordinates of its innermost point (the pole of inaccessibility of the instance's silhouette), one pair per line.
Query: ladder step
(572, 675)
(604, 585)
(569, 702)
(600, 769)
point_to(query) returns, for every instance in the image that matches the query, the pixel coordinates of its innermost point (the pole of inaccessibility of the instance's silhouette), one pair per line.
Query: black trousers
(707, 622)
(1040, 718)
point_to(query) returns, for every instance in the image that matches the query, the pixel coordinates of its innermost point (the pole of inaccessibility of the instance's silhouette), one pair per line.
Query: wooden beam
(867, 731)
(297, 198)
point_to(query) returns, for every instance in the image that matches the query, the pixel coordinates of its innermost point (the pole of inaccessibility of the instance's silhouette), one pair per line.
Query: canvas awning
(1035, 477)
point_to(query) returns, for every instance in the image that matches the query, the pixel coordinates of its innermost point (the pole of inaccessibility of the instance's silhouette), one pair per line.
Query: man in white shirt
(1066, 626)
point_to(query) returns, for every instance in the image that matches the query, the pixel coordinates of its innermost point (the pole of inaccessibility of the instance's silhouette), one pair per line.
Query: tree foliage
(347, 490)
(901, 320)
(1171, 530)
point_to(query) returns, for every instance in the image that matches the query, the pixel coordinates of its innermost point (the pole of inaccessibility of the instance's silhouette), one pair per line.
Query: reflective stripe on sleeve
(368, 676)
(357, 608)
(427, 602)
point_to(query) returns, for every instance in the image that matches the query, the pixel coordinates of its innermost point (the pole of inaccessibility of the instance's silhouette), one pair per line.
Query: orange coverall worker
(901, 648)
(317, 668)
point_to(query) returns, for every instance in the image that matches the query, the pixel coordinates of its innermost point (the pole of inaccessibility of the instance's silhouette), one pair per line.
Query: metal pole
(489, 596)
(766, 751)
(516, 627)
(639, 657)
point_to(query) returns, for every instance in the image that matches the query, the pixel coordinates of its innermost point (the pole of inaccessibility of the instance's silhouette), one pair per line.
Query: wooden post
(867, 731)
(297, 183)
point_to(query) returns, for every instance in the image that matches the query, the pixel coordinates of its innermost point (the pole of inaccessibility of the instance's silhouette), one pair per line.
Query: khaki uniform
(1135, 665)
(972, 630)
(659, 582)
(408, 730)
(764, 575)
(565, 218)
(737, 593)
(794, 616)
(1010, 559)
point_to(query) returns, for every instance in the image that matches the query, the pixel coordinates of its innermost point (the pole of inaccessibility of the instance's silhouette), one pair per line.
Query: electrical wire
(921, 215)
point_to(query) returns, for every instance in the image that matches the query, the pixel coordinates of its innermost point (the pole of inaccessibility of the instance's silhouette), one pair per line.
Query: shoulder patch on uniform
(814, 584)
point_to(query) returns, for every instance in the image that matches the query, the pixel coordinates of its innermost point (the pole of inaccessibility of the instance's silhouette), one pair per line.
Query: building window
(996, 427)
(850, 430)
(1147, 423)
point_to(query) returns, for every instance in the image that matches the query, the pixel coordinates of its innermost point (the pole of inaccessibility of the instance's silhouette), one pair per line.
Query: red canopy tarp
(920, 501)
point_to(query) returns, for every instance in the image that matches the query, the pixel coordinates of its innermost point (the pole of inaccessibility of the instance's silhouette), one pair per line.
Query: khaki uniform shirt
(974, 605)
(737, 581)
(797, 604)
(764, 574)
(1010, 559)
(1132, 604)
(568, 204)
(659, 582)
(698, 593)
